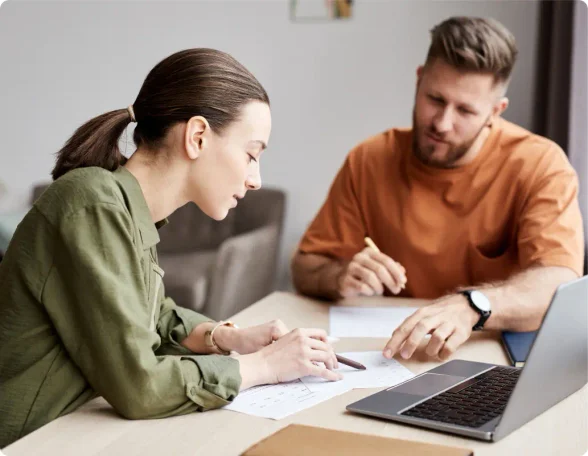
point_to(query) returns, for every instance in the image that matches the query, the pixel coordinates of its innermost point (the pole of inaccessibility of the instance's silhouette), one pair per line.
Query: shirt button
(193, 391)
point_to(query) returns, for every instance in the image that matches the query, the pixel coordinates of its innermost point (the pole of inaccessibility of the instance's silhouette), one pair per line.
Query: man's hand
(367, 274)
(449, 320)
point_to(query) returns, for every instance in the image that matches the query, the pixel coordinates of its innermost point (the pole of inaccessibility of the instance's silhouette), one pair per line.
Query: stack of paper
(279, 401)
(366, 321)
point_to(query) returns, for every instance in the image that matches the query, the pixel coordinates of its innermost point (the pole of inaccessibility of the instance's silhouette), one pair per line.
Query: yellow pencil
(372, 245)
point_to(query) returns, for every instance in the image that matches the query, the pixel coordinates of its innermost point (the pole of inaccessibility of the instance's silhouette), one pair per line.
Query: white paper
(366, 321)
(380, 373)
(279, 401)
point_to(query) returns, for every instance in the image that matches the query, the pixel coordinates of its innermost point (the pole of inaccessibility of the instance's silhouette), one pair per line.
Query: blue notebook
(518, 345)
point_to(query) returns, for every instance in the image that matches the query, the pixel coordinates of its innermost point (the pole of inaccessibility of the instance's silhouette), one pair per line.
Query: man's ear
(419, 73)
(498, 109)
(195, 136)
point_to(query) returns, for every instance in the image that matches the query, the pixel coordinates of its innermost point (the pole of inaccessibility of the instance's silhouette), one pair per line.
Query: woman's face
(227, 165)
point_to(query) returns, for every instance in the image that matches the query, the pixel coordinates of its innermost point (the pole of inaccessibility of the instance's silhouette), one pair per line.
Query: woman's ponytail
(95, 143)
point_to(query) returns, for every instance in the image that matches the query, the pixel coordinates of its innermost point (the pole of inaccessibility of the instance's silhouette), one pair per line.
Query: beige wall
(331, 84)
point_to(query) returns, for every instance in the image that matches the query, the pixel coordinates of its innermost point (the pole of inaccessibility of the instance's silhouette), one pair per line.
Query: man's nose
(443, 121)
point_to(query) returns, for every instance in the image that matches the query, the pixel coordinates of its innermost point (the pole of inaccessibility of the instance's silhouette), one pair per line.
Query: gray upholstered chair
(38, 190)
(219, 268)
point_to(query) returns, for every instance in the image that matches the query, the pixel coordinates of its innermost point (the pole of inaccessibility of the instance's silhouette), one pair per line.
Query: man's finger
(438, 338)
(382, 273)
(352, 287)
(395, 269)
(367, 276)
(455, 340)
(418, 333)
(366, 290)
(401, 333)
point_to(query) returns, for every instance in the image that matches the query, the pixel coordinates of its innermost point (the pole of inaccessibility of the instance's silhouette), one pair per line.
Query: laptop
(487, 401)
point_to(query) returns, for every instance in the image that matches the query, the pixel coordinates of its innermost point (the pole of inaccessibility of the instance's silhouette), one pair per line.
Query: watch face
(480, 300)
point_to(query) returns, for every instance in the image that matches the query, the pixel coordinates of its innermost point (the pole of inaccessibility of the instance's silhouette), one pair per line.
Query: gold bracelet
(209, 336)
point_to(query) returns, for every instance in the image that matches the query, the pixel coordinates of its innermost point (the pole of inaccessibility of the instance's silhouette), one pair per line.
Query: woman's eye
(251, 158)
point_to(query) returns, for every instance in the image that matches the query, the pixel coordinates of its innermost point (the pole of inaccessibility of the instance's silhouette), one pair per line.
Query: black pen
(350, 362)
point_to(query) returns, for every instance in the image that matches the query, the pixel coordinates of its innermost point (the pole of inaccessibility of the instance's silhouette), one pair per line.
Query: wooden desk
(95, 429)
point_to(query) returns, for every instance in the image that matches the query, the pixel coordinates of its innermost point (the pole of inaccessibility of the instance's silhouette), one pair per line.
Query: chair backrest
(260, 208)
(38, 191)
(190, 229)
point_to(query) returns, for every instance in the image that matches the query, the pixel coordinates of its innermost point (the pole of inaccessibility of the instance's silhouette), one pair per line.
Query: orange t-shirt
(513, 206)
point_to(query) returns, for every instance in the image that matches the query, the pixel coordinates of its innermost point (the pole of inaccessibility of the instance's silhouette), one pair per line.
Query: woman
(82, 310)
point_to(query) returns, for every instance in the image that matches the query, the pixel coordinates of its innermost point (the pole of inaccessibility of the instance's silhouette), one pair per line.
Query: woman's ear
(197, 129)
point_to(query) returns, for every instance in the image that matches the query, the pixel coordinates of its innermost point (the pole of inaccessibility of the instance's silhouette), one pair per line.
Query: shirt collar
(138, 207)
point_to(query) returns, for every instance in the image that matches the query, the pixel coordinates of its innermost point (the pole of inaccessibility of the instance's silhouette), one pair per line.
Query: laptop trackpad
(427, 384)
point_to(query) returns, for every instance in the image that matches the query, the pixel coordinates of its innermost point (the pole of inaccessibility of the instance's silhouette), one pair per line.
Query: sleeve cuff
(188, 321)
(557, 260)
(216, 384)
(176, 328)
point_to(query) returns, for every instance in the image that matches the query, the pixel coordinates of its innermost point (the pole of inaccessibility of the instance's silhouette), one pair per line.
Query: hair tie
(131, 113)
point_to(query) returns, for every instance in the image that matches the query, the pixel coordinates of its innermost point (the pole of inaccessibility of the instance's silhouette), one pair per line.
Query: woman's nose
(253, 181)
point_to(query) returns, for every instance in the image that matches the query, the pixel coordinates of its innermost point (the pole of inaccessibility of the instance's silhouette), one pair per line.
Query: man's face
(451, 109)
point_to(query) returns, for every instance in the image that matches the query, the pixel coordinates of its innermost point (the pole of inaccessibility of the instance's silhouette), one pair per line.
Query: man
(463, 201)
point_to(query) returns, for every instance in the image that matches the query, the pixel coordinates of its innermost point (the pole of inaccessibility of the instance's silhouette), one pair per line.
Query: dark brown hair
(194, 82)
(474, 44)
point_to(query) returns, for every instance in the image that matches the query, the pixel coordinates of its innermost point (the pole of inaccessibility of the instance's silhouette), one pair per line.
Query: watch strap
(484, 315)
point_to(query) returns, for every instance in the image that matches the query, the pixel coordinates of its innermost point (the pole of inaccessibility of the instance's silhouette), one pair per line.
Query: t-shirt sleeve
(339, 228)
(550, 227)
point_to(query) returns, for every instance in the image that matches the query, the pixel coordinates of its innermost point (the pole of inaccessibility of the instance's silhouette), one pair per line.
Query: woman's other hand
(298, 353)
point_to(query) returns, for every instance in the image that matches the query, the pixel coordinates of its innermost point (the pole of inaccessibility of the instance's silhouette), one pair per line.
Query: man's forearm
(317, 275)
(519, 303)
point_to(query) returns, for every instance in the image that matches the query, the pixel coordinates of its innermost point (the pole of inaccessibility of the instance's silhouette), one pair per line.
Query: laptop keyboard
(471, 403)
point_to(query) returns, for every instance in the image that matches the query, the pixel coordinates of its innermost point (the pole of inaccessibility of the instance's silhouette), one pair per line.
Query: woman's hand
(294, 355)
(249, 340)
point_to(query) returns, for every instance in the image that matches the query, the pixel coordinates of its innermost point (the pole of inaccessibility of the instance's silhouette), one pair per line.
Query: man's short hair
(474, 44)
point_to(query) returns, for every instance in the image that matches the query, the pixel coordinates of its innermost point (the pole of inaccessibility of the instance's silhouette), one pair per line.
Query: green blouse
(83, 313)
